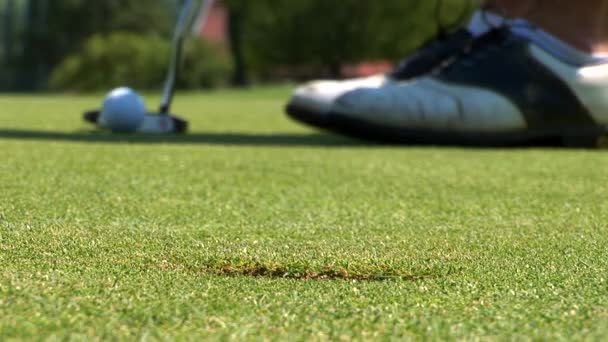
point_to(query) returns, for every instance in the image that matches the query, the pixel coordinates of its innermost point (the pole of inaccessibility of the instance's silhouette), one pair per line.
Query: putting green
(252, 227)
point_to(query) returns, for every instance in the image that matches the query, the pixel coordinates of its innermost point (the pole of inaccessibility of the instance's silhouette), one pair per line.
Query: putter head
(153, 123)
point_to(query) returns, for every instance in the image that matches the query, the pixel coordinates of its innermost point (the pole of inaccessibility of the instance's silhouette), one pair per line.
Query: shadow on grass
(208, 138)
(248, 139)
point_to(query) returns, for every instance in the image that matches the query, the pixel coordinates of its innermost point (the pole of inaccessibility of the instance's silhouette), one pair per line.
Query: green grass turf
(254, 227)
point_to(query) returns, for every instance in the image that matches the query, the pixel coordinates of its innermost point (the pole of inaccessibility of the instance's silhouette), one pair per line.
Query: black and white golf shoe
(319, 96)
(504, 90)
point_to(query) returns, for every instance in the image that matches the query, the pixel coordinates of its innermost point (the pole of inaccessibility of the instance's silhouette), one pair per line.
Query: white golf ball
(123, 110)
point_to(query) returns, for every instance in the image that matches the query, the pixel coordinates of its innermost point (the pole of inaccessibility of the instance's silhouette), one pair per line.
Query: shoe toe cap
(317, 96)
(320, 96)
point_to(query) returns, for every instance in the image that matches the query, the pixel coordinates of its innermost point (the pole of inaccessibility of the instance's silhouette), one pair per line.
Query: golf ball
(123, 110)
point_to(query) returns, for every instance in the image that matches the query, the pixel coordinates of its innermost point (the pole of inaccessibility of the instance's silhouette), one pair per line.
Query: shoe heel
(582, 141)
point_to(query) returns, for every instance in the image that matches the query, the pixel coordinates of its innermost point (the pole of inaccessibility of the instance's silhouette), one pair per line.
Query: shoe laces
(446, 35)
(485, 46)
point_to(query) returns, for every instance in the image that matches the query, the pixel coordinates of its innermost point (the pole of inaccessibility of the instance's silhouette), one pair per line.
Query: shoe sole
(571, 137)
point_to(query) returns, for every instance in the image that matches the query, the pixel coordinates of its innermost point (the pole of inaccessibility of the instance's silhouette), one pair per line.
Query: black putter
(163, 122)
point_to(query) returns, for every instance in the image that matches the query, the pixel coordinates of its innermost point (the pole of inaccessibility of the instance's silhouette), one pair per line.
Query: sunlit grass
(252, 226)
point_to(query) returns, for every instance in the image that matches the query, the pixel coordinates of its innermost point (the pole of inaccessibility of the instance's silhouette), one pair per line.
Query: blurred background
(90, 45)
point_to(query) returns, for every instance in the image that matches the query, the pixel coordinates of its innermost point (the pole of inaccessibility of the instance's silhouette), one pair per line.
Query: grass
(253, 227)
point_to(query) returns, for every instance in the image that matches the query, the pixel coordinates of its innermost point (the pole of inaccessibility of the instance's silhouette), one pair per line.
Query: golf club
(163, 122)
(176, 54)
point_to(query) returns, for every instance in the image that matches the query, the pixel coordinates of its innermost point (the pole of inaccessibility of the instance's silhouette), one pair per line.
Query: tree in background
(237, 16)
(6, 39)
(309, 38)
(53, 29)
(9, 26)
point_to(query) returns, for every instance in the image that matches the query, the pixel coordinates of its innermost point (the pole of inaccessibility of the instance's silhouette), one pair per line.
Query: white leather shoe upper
(506, 84)
(319, 96)
(431, 104)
